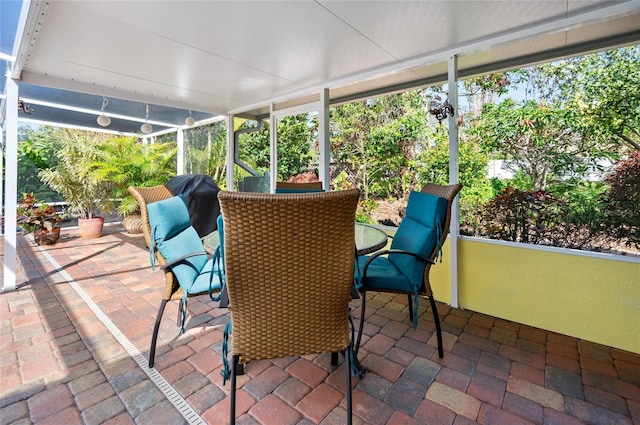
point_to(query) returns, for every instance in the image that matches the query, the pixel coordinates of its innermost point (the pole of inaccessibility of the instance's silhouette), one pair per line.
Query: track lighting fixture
(146, 128)
(103, 120)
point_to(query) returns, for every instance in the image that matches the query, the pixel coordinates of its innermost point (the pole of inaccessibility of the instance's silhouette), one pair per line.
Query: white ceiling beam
(64, 84)
(27, 32)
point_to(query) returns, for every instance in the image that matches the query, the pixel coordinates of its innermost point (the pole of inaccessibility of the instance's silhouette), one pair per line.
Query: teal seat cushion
(175, 238)
(383, 274)
(210, 278)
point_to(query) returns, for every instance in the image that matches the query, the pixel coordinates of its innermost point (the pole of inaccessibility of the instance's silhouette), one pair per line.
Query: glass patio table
(368, 239)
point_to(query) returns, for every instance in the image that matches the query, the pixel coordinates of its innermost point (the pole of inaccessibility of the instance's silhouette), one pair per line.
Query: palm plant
(125, 161)
(72, 176)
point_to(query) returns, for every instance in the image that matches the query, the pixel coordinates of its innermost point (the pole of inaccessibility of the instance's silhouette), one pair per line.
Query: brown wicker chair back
(147, 195)
(305, 185)
(449, 193)
(289, 265)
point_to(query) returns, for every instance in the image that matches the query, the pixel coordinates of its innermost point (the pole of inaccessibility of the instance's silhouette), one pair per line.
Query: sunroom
(75, 61)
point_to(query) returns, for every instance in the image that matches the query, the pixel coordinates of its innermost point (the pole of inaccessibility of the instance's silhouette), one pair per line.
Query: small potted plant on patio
(41, 220)
(73, 178)
(126, 161)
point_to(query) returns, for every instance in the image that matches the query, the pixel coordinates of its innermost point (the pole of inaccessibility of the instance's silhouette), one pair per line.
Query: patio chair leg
(179, 318)
(363, 296)
(232, 395)
(334, 358)
(361, 370)
(410, 308)
(436, 318)
(154, 337)
(348, 388)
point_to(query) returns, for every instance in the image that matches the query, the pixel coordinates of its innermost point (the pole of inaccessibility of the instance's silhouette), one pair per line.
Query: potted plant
(72, 177)
(126, 161)
(41, 220)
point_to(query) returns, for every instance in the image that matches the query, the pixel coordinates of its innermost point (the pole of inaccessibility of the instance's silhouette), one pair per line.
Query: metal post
(273, 143)
(454, 229)
(231, 152)
(180, 156)
(11, 187)
(323, 141)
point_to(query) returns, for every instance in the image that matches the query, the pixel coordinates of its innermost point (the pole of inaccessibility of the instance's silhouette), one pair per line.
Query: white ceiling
(217, 57)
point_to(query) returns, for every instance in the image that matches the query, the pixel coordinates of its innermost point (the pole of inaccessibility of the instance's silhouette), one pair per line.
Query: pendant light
(189, 121)
(103, 120)
(146, 128)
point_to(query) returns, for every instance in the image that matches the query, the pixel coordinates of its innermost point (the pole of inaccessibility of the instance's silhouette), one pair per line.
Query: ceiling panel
(409, 29)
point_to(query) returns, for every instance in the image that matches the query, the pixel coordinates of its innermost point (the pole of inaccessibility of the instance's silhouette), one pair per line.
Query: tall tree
(296, 146)
(36, 151)
(380, 138)
(205, 151)
(601, 88)
(538, 139)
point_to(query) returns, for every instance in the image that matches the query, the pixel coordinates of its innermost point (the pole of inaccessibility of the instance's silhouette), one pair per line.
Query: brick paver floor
(69, 339)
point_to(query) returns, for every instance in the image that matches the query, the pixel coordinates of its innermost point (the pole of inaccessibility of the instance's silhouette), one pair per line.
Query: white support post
(324, 161)
(231, 153)
(454, 228)
(11, 187)
(273, 143)
(180, 156)
(2, 170)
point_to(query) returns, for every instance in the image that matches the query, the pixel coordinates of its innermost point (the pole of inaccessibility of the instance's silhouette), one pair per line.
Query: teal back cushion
(419, 232)
(173, 235)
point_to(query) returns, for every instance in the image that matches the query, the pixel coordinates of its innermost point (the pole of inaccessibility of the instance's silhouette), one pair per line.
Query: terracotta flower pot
(90, 228)
(46, 237)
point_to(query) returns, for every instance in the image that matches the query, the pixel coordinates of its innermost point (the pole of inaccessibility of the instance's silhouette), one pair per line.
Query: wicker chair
(289, 266)
(285, 187)
(405, 267)
(172, 289)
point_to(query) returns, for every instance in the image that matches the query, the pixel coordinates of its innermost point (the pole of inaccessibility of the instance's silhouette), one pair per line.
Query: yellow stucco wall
(587, 296)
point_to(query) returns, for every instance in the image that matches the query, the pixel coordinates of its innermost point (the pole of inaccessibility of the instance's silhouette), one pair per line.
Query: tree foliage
(296, 146)
(603, 90)
(476, 187)
(521, 216)
(36, 151)
(379, 138)
(538, 139)
(623, 201)
(205, 151)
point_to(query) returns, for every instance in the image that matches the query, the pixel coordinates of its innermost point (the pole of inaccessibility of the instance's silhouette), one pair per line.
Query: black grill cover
(201, 194)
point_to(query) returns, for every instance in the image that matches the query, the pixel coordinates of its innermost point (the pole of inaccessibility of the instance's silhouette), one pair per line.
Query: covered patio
(76, 318)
